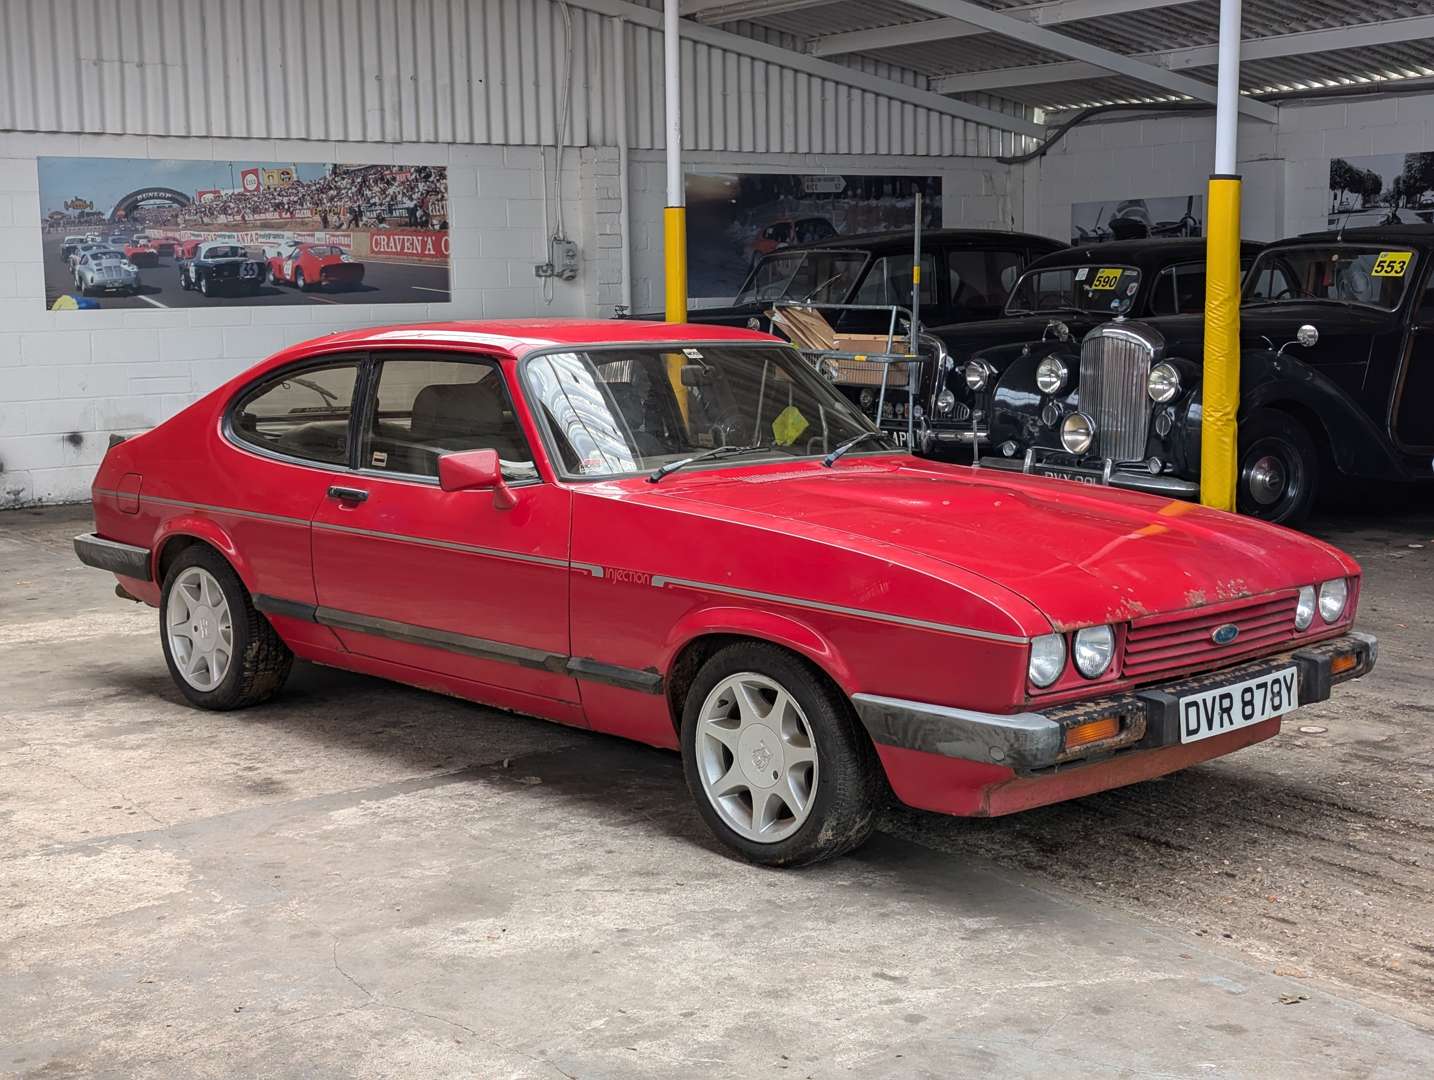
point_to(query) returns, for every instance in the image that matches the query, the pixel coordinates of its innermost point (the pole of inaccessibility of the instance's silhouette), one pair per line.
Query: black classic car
(1060, 297)
(1336, 379)
(222, 267)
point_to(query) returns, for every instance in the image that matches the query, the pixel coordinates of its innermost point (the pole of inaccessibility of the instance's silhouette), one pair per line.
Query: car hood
(1078, 555)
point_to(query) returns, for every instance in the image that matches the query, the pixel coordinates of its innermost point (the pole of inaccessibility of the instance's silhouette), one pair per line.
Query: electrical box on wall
(562, 260)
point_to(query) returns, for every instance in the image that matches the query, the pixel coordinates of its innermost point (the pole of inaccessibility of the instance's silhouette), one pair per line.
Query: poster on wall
(733, 219)
(1382, 189)
(145, 233)
(1136, 219)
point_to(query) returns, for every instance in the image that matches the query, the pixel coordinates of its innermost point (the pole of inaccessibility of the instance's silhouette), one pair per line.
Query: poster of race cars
(733, 219)
(1136, 219)
(146, 233)
(1382, 189)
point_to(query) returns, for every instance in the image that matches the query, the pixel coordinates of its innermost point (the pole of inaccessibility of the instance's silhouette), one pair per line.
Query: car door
(1411, 415)
(446, 581)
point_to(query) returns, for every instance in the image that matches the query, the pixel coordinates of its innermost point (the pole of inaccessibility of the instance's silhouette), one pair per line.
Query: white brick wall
(69, 379)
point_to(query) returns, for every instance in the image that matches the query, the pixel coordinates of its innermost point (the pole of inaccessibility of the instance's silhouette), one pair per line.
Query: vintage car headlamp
(945, 402)
(1048, 659)
(1305, 608)
(1094, 650)
(979, 374)
(1332, 597)
(1077, 433)
(868, 397)
(1163, 384)
(829, 369)
(1051, 375)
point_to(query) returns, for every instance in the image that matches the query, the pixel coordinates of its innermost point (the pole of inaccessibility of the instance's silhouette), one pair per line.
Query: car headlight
(1051, 375)
(1048, 659)
(1332, 597)
(1094, 650)
(1163, 384)
(979, 374)
(868, 398)
(1077, 433)
(945, 402)
(1305, 608)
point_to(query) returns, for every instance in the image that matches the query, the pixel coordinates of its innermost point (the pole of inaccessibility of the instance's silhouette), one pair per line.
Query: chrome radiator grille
(1114, 367)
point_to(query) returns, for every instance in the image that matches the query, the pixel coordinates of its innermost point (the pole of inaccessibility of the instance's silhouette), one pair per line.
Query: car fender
(206, 530)
(779, 629)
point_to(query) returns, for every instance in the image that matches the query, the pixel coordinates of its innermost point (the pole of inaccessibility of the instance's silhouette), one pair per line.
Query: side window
(889, 281)
(1179, 290)
(981, 280)
(303, 413)
(427, 407)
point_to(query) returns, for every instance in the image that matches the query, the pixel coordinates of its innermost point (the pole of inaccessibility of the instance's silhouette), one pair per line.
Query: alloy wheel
(200, 629)
(756, 758)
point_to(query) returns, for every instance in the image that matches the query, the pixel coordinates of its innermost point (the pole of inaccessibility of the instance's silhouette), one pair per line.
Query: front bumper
(1107, 474)
(1032, 742)
(123, 559)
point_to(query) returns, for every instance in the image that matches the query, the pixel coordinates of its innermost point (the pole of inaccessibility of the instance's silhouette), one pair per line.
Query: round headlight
(945, 402)
(830, 371)
(1305, 608)
(868, 398)
(978, 374)
(1077, 433)
(1163, 383)
(1051, 375)
(1332, 597)
(1094, 650)
(1048, 659)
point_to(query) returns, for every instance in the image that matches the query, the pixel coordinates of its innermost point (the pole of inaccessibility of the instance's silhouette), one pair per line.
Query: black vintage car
(1060, 297)
(1336, 381)
(219, 267)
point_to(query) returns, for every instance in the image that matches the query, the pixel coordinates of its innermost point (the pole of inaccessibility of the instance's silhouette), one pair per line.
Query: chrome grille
(1115, 363)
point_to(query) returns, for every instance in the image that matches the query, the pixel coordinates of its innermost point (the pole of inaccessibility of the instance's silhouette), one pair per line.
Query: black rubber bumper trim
(126, 560)
(646, 680)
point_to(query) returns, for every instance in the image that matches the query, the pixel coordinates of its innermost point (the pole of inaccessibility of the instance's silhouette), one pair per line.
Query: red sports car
(684, 535)
(312, 266)
(141, 253)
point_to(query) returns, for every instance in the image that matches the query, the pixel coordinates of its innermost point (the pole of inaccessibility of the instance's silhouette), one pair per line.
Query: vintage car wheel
(299, 282)
(775, 759)
(205, 286)
(1279, 468)
(221, 652)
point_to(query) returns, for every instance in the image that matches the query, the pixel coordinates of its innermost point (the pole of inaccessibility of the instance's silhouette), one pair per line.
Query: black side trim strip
(124, 559)
(646, 681)
(290, 609)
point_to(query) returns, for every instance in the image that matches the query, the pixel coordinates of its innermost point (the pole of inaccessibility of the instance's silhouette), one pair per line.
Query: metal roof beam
(1131, 67)
(823, 69)
(919, 33)
(1363, 35)
(720, 11)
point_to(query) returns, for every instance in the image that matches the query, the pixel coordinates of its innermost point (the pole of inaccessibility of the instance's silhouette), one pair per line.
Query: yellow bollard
(1219, 456)
(674, 231)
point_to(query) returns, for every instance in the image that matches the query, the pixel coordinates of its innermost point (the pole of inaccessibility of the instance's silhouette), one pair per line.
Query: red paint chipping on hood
(1079, 555)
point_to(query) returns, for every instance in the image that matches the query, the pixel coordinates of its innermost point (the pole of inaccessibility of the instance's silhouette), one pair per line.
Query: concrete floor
(364, 880)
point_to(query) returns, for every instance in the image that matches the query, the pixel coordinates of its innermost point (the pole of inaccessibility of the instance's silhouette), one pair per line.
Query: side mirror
(1307, 336)
(476, 470)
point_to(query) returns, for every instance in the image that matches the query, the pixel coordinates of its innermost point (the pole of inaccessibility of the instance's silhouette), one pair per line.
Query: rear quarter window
(300, 413)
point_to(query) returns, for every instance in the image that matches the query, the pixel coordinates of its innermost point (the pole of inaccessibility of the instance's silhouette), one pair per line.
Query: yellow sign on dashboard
(1105, 280)
(1391, 264)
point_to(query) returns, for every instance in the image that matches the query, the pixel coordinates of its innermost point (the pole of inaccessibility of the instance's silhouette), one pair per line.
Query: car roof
(519, 337)
(1145, 253)
(887, 242)
(1370, 234)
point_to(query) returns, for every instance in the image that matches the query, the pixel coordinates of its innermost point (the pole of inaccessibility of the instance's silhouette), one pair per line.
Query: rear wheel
(205, 285)
(221, 652)
(775, 759)
(299, 282)
(1279, 468)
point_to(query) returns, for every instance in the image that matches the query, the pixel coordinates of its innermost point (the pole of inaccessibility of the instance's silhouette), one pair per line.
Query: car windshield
(823, 277)
(325, 250)
(625, 410)
(223, 252)
(1376, 276)
(1095, 288)
(105, 256)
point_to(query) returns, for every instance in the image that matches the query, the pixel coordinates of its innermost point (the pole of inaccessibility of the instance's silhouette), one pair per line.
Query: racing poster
(145, 233)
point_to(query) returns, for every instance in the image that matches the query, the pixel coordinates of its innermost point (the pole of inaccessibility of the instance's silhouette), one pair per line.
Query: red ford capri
(684, 535)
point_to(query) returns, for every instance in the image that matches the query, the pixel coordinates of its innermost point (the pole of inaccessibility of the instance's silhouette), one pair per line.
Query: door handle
(348, 494)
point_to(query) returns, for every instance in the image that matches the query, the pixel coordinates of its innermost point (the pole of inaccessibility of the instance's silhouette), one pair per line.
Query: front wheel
(205, 285)
(1278, 470)
(775, 758)
(221, 652)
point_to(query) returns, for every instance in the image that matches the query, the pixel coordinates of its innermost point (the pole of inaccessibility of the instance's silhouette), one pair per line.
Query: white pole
(672, 59)
(619, 49)
(1227, 91)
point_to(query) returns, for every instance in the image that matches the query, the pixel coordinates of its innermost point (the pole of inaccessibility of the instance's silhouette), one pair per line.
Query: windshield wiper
(716, 452)
(836, 455)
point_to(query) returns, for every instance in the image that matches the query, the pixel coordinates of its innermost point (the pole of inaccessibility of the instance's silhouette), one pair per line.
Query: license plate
(1063, 474)
(1214, 712)
(899, 436)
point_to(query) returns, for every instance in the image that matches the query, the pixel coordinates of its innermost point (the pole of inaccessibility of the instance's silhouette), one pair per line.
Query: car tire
(1278, 474)
(299, 282)
(205, 287)
(183, 280)
(816, 749)
(201, 586)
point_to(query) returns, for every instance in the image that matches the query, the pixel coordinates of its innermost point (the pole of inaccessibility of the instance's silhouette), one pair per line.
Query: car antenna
(1339, 233)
